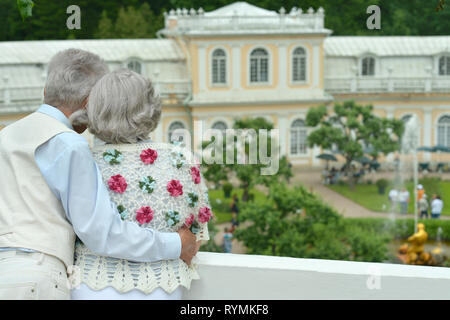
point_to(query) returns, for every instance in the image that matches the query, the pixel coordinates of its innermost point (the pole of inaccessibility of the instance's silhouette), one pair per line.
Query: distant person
(334, 175)
(234, 211)
(393, 197)
(326, 176)
(403, 199)
(420, 192)
(422, 205)
(227, 237)
(436, 207)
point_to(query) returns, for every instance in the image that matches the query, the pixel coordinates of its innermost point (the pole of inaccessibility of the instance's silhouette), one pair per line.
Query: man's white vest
(30, 214)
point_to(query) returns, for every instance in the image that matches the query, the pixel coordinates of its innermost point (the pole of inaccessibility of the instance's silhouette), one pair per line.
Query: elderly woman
(155, 185)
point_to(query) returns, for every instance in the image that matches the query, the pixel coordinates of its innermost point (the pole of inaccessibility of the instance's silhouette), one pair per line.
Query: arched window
(299, 64)
(298, 137)
(444, 131)
(175, 126)
(368, 66)
(220, 125)
(135, 66)
(219, 67)
(259, 65)
(406, 118)
(444, 66)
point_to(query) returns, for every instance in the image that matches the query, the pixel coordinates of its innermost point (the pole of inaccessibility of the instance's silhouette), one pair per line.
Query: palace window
(220, 125)
(298, 137)
(135, 66)
(368, 66)
(219, 67)
(259, 66)
(444, 131)
(299, 65)
(444, 66)
(173, 127)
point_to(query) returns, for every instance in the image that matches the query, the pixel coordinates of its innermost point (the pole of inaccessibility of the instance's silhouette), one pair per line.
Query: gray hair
(71, 75)
(122, 108)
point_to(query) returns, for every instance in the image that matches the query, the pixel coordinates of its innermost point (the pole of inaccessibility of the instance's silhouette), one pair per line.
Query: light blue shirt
(70, 171)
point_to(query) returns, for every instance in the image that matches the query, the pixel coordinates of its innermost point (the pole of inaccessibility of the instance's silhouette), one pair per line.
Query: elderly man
(52, 191)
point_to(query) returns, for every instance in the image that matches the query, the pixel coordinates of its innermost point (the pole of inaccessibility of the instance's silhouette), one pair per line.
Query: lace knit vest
(145, 181)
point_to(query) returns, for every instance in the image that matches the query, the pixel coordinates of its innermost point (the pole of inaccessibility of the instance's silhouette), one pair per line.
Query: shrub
(227, 189)
(296, 223)
(382, 185)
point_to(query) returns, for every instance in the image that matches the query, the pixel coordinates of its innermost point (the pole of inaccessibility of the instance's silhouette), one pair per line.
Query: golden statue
(415, 252)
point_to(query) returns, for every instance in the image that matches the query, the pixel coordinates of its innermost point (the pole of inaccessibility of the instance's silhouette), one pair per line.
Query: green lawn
(367, 194)
(221, 205)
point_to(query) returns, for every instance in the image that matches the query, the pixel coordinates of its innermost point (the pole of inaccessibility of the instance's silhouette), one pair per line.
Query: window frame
(135, 60)
(211, 66)
(306, 57)
(269, 67)
(445, 56)
(298, 132)
(446, 130)
(169, 132)
(361, 66)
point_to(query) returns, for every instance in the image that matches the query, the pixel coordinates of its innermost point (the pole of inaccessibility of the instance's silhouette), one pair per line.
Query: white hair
(122, 108)
(71, 75)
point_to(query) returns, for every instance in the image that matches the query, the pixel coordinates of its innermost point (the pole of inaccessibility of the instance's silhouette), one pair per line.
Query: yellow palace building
(244, 61)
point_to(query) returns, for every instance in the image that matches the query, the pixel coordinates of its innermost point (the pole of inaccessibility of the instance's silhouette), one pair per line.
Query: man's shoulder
(70, 140)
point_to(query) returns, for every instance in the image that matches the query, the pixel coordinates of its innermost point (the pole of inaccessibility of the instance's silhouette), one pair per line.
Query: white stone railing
(235, 276)
(20, 97)
(185, 20)
(379, 84)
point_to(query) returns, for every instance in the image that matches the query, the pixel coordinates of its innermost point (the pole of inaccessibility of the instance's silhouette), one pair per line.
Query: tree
(105, 27)
(383, 135)
(248, 173)
(130, 24)
(295, 223)
(351, 127)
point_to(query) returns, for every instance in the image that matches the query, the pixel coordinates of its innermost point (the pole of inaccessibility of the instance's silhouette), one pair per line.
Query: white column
(316, 65)
(202, 61)
(236, 66)
(427, 129)
(283, 128)
(282, 66)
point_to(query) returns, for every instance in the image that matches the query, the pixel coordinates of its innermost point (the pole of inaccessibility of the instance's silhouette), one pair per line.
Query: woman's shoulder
(148, 152)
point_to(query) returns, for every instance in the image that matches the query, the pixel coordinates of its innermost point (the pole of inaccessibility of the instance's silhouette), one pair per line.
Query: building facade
(243, 61)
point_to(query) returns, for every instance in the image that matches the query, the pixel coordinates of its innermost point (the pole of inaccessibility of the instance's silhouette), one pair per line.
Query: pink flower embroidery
(189, 220)
(149, 156)
(195, 174)
(117, 183)
(204, 214)
(175, 188)
(144, 215)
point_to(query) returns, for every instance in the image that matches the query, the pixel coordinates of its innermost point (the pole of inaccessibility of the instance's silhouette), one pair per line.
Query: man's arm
(75, 179)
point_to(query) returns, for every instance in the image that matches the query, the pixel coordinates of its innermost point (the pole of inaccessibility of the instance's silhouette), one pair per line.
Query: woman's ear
(79, 120)
(84, 103)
